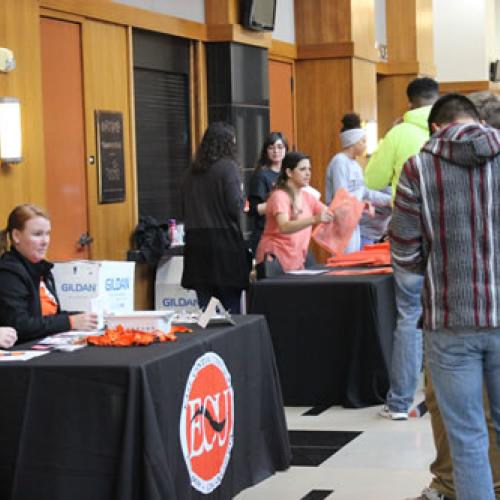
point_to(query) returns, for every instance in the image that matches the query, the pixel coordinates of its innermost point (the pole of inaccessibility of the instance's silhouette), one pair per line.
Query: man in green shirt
(403, 140)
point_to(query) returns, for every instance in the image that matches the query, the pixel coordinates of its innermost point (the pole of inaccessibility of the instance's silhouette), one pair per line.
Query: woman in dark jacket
(215, 256)
(28, 300)
(263, 181)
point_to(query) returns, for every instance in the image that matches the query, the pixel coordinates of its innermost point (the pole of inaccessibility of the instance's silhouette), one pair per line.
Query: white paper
(308, 271)
(20, 355)
(209, 312)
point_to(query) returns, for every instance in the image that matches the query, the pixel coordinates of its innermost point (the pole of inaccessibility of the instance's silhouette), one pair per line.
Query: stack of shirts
(372, 256)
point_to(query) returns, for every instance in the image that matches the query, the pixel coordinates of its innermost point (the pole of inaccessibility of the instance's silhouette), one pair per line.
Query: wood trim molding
(283, 49)
(236, 33)
(397, 68)
(464, 87)
(105, 10)
(326, 50)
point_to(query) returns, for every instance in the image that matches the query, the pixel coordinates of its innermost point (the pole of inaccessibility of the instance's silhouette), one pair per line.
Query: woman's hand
(84, 321)
(369, 209)
(8, 337)
(324, 216)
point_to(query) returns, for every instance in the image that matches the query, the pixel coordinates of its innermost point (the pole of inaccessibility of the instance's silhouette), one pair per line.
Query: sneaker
(392, 415)
(429, 494)
(419, 410)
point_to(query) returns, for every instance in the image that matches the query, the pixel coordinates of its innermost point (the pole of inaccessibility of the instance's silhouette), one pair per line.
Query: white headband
(351, 137)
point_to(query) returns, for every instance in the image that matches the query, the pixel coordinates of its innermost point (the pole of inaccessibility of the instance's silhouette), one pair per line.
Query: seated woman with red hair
(28, 299)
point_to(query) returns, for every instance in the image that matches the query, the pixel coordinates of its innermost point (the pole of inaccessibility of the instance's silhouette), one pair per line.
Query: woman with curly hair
(215, 256)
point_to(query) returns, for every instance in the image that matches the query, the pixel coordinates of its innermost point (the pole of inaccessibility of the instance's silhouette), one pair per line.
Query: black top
(214, 251)
(20, 297)
(262, 183)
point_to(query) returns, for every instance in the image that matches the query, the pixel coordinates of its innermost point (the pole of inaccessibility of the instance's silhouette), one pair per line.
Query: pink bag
(334, 237)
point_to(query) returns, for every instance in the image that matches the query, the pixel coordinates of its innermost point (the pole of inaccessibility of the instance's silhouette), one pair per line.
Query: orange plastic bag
(334, 237)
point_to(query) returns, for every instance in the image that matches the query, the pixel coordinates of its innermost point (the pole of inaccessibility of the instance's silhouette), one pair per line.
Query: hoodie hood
(465, 144)
(418, 117)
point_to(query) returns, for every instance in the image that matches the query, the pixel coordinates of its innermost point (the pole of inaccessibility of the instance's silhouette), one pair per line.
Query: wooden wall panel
(322, 21)
(425, 41)
(281, 100)
(364, 84)
(20, 32)
(401, 31)
(221, 11)
(323, 95)
(363, 28)
(106, 87)
(392, 102)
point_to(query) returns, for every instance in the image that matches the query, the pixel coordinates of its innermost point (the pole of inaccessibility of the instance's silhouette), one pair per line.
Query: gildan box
(89, 285)
(169, 294)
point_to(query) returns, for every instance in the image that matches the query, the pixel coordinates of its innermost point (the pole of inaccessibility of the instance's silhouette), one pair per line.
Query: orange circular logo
(207, 422)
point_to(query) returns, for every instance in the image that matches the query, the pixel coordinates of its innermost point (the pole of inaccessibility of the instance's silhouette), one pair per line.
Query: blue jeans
(459, 361)
(407, 346)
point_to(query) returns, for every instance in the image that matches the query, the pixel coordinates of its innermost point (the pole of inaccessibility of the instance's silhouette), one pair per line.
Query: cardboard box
(169, 294)
(95, 286)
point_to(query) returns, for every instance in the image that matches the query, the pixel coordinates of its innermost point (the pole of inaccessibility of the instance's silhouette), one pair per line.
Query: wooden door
(63, 123)
(281, 99)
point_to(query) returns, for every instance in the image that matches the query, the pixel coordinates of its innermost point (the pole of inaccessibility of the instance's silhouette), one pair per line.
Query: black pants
(229, 297)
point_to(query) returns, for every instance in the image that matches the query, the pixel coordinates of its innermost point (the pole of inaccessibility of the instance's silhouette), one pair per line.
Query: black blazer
(20, 298)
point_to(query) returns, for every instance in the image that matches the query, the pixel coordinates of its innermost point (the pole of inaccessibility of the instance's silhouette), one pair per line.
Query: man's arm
(380, 168)
(406, 225)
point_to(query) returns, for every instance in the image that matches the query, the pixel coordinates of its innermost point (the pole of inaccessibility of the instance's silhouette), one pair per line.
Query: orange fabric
(121, 337)
(371, 255)
(361, 272)
(48, 302)
(335, 237)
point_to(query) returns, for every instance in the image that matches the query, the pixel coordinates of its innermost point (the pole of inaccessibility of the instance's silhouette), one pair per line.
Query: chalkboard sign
(110, 157)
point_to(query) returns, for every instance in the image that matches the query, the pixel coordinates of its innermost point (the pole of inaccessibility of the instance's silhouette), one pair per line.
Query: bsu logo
(207, 422)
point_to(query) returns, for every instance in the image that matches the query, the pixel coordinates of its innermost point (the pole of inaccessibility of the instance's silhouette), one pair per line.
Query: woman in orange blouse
(28, 299)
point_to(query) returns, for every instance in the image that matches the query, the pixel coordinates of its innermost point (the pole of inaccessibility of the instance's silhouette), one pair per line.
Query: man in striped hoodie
(446, 226)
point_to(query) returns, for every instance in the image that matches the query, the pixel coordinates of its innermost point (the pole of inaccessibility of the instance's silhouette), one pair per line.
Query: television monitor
(495, 71)
(258, 15)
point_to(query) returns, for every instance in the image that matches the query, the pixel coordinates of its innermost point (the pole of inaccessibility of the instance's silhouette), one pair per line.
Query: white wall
(461, 40)
(284, 27)
(380, 23)
(194, 10)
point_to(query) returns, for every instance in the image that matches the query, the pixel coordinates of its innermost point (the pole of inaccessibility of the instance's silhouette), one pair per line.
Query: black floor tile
(312, 448)
(317, 495)
(316, 410)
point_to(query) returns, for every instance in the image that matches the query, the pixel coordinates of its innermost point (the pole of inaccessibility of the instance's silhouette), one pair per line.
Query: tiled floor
(387, 461)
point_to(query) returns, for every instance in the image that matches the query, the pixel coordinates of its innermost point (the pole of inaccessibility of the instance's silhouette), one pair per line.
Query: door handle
(85, 240)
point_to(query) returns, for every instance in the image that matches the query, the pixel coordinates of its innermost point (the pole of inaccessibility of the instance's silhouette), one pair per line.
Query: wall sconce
(371, 128)
(10, 130)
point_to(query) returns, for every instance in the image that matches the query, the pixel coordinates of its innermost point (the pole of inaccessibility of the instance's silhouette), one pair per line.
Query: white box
(94, 286)
(169, 294)
(145, 321)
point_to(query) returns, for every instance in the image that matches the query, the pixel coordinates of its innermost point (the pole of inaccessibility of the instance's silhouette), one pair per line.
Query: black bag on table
(269, 267)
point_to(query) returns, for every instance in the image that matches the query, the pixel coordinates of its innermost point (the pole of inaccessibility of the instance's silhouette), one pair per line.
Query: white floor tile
(388, 461)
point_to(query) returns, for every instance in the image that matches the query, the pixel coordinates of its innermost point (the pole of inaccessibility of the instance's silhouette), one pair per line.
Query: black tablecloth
(332, 336)
(104, 423)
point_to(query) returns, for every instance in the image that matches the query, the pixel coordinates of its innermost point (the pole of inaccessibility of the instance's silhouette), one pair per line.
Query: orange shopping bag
(334, 236)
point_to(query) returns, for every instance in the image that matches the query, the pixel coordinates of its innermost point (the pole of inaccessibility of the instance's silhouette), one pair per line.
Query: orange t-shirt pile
(378, 254)
(121, 337)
